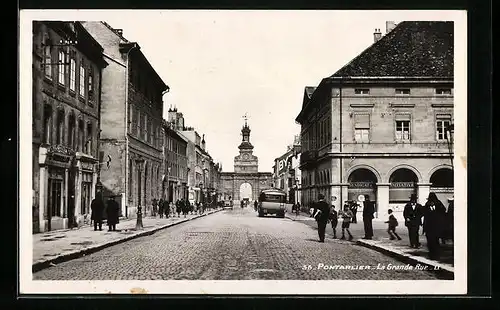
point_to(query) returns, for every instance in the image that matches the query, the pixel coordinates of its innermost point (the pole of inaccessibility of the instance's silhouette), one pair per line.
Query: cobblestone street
(233, 245)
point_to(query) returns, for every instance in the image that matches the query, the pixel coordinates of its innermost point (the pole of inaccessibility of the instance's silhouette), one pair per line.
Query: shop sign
(361, 185)
(403, 184)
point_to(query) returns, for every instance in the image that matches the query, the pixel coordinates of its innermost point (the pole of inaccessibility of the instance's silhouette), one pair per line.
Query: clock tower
(246, 162)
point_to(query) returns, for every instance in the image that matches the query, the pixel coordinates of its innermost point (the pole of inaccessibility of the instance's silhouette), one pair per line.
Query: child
(346, 221)
(333, 220)
(393, 222)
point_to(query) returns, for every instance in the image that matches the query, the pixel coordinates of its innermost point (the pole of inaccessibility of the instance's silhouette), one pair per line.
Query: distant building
(131, 121)
(175, 180)
(382, 124)
(286, 172)
(67, 66)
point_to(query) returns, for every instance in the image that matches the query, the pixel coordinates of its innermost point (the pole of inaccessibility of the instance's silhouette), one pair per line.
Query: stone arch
(403, 183)
(246, 190)
(362, 166)
(404, 166)
(436, 168)
(362, 181)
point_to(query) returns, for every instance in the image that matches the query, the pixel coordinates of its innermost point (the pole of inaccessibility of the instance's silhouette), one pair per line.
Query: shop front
(85, 180)
(362, 182)
(402, 184)
(55, 164)
(442, 184)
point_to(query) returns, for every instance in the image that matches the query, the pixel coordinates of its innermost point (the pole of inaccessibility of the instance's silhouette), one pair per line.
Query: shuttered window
(362, 128)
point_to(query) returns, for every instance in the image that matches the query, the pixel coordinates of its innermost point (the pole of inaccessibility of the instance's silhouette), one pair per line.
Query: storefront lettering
(403, 184)
(361, 185)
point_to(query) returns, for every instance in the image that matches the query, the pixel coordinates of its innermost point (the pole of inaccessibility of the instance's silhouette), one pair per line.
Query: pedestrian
(298, 208)
(334, 220)
(155, 207)
(178, 208)
(346, 222)
(412, 214)
(434, 213)
(321, 213)
(393, 223)
(97, 207)
(161, 206)
(112, 213)
(172, 208)
(255, 205)
(368, 211)
(354, 209)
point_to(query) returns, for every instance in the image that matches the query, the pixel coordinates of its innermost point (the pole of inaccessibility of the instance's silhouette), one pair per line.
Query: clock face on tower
(245, 156)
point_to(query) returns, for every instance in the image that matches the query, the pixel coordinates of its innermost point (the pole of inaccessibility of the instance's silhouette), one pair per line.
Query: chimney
(119, 31)
(203, 142)
(389, 25)
(377, 35)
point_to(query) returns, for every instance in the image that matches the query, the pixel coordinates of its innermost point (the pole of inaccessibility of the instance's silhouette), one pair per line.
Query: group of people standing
(323, 213)
(112, 212)
(436, 220)
(160, 207)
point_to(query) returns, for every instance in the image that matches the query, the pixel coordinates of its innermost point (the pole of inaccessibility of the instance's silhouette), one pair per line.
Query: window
(362, 128)
(144, 127)
(47, 59)
(91, 84)
(402, 127)
(82, 80)
(47, 124)
(80, 136)
(402, 91)
(361, 91)
(89, 139)
(60, 128)
(71, 132)
(139, 119)
(61, 65)
(443, 91)
(442, 126)
(134, 121)
(86, 192)
(72, 73)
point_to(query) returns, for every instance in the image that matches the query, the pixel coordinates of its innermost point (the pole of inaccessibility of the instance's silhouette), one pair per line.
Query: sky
(221, 65)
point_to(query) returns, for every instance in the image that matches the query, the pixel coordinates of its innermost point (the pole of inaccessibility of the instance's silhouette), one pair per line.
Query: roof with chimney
(411, 49)
(308, 91)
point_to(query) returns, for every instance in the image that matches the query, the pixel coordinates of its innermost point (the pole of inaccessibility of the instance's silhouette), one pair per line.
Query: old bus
(272, 201)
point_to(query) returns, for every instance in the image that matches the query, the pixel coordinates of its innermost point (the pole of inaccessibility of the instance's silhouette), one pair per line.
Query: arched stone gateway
(246, 191)
(245, 181)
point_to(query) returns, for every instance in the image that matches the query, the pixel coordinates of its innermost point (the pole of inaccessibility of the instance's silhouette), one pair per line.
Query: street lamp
(138, 224)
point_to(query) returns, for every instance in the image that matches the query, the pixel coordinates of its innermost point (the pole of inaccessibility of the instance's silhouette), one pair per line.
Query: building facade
(131, 122)
(246, 182)
(382, 124)
(67, 67)
(286, 172)
(175, 180)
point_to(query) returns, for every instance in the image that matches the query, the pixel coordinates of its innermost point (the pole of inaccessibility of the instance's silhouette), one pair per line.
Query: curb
(79, 253)
(445, 272)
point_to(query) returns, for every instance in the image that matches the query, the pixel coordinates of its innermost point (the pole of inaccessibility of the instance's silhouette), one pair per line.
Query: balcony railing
(308, 156)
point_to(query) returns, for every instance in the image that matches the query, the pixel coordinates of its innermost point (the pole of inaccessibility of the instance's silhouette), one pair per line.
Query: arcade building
(383, 124)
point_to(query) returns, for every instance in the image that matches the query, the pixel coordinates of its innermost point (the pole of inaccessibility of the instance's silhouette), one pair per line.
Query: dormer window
(443, 91)
(361, 91)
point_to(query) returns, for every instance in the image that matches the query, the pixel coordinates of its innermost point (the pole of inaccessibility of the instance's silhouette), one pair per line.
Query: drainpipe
(126, 129)
(340, 147)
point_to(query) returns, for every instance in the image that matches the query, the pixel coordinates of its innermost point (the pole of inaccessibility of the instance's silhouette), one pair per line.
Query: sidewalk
(399, 249)
(58, 246)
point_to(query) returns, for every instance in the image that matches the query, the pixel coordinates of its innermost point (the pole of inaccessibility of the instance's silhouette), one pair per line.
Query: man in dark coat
(321, 213)
(434, 213)
(413, 219)
(354, 209)
(112, 211)
(450, 214)
(368, 211)
(97, 207)
(161, 206)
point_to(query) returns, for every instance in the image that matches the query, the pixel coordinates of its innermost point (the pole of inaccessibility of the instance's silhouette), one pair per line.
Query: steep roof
(412, 49)
(308, 91)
